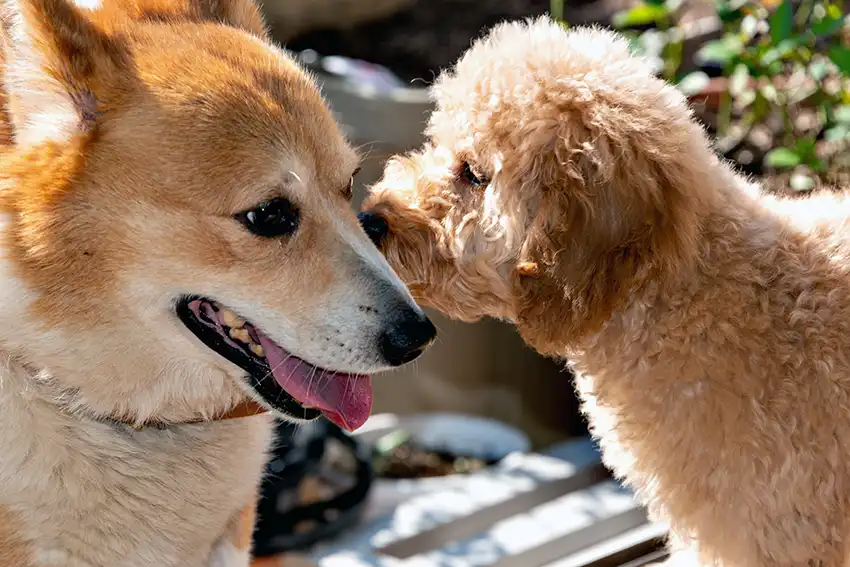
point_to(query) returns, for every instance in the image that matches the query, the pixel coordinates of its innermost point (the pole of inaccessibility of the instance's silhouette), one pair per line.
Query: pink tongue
(345, 399)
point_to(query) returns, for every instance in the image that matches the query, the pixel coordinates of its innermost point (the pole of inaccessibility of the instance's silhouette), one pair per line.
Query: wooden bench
(557, 508)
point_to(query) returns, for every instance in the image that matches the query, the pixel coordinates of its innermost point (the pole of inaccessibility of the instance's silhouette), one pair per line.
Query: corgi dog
(179, 265)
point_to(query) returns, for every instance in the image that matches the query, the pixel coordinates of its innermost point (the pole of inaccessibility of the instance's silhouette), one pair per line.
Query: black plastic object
(298, 454)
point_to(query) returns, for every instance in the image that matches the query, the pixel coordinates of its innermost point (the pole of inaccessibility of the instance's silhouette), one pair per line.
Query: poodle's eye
(468, 175)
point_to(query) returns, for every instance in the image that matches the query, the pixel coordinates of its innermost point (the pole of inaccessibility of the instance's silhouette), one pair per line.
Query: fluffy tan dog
(178, 248)
(568, 190)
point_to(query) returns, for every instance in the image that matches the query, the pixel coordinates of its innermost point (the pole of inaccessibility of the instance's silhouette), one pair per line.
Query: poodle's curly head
(558, 174)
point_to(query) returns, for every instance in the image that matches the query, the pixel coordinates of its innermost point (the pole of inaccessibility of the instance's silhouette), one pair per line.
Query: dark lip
(258, 372)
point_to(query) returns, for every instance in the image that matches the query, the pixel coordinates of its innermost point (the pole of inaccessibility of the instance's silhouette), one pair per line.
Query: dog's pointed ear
(245, 15)
(242, 14)
(52, 53)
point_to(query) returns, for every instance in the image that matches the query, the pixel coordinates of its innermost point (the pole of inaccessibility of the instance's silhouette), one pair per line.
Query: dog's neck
(247, 408)
(740, 240)
(43, 389)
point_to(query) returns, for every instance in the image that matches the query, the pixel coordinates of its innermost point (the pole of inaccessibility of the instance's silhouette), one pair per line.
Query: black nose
(407, 338)
(375, 226)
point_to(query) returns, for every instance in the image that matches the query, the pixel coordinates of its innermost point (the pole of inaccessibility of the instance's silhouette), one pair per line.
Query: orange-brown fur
(132, 133)
(708, 324)
(14, 550)
(243, 529)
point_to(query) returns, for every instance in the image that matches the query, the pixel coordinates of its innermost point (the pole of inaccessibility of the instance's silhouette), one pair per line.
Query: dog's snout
(375, 225)
(407, 338)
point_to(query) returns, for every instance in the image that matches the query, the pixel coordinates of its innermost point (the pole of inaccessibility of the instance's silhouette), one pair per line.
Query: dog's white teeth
(230, 319)
(240, 335)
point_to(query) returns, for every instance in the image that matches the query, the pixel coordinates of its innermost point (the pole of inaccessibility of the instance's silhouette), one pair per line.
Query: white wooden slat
(452, 498)
(646, 532)
(538, 526)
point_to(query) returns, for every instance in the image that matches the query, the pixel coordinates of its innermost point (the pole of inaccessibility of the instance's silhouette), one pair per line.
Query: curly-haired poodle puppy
(568, 190)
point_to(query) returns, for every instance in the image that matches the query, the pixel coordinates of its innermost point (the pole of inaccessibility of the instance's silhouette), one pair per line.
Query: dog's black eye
(468, 175)
(276, 217)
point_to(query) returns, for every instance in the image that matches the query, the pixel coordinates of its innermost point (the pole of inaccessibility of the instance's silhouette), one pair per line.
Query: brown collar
(247, 408)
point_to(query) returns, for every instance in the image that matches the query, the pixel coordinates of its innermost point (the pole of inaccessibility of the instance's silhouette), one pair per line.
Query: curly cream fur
(708, 324)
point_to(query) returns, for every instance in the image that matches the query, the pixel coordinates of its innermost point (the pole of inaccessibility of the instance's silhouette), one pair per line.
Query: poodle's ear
(54, 56)
(611, 215)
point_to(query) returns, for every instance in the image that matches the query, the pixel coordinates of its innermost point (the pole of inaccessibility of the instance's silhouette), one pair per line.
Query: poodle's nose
(407, 338)
(375, 225)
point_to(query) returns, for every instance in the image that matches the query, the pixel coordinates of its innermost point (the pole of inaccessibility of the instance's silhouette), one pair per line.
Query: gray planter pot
(393, 119)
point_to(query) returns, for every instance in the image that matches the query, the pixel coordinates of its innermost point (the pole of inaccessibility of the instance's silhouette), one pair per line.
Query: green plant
(664, 41)
(781, 61)
(556, 10)
(789, 59)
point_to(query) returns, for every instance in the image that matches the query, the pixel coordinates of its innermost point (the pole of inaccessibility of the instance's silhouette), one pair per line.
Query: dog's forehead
(229, 75)
(235, 101)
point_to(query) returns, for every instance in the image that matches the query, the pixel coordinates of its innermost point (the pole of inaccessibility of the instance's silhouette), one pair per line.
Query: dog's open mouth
(289, 384)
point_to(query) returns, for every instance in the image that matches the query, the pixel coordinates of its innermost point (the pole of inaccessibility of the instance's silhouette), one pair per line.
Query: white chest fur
(92, 494)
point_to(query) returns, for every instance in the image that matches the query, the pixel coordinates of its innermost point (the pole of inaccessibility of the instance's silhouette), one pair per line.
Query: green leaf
(802, 182)
(841, 113)
(828, 25)
(833, 11)
(840, 55)
(781, 22)
(782, 50)
(721, 51)
(729, 11)
(816, 164)
(693, 83)
(782, 158)
(805, 147)
(640, 14)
